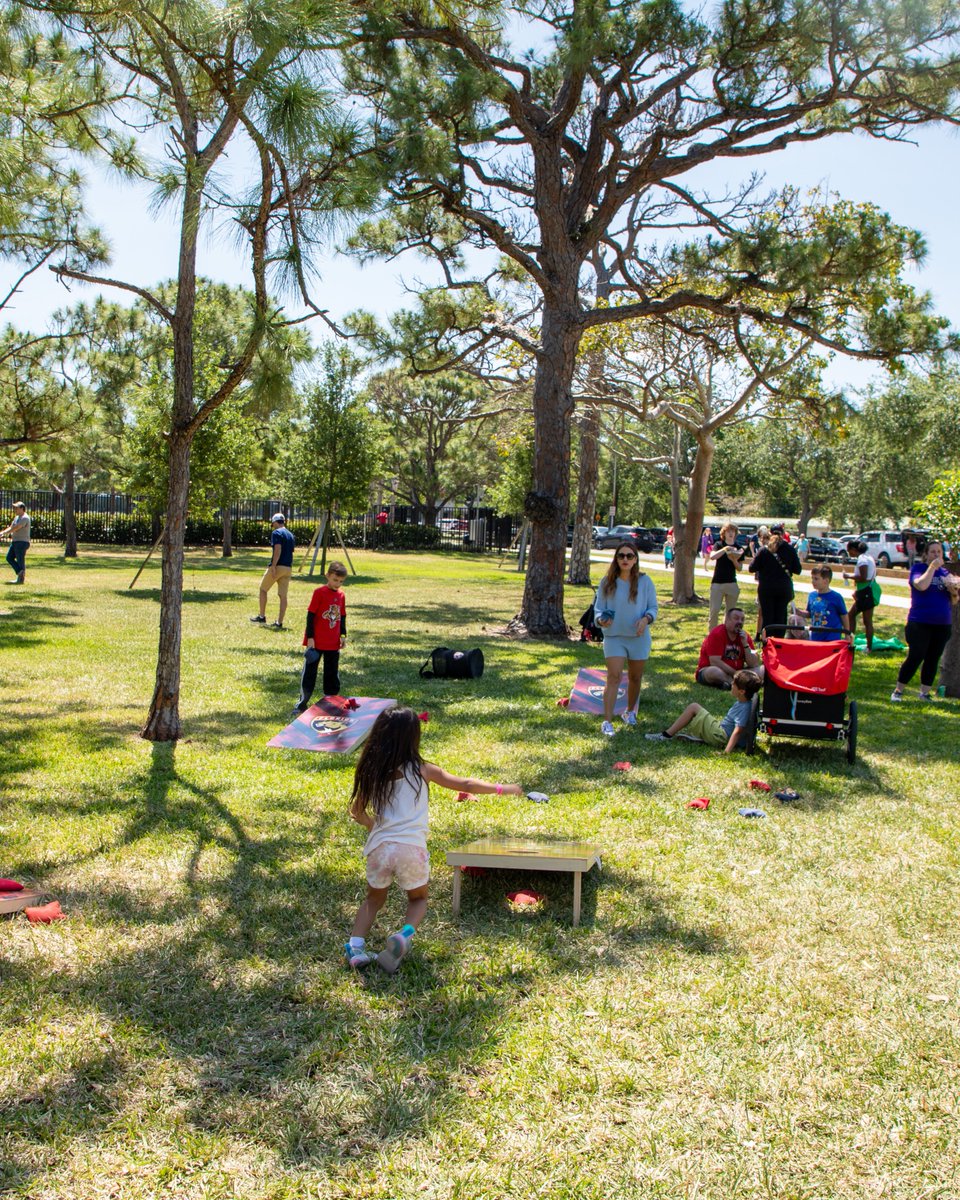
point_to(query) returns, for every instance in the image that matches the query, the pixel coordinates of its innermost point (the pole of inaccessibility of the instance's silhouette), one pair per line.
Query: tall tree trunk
(805, 511)
(163, 721)
(227, 517)
(548, 503)
(578, 571)
(685, 553)
(70, 511)
(325, 542)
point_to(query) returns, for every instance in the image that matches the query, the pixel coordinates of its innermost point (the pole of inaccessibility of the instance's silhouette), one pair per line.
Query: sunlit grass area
(750, 1008)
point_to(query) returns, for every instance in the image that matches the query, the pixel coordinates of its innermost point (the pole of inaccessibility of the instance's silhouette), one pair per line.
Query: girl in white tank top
(390, 791)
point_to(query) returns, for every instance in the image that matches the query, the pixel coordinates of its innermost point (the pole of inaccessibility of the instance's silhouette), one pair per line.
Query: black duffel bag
(453, 664)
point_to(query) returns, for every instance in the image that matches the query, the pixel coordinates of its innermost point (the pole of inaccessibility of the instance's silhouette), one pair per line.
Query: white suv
(886, 547)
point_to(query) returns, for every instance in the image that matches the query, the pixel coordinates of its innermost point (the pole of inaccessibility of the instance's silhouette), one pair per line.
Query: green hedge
(102, 529)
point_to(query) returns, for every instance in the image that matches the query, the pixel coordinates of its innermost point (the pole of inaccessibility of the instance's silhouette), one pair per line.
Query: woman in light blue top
(626, 607)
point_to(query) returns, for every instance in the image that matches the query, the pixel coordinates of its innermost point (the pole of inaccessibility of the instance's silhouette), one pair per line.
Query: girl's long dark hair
(613, 572)
(392, 750)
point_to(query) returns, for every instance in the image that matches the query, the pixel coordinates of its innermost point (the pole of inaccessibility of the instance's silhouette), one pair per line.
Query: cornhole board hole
(520, 854)
(587, 694)
(330, 725)
(14, 902)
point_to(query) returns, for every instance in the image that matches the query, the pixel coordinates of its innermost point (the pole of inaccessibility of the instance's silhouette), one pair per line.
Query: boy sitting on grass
(700, 726)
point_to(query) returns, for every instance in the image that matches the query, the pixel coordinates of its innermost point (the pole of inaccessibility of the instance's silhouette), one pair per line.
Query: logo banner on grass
(587, 694)
(332, 725)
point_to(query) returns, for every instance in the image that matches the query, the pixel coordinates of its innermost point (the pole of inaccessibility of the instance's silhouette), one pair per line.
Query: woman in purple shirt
(933, 592)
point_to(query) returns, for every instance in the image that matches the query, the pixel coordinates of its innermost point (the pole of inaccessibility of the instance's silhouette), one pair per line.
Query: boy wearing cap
(279, 572)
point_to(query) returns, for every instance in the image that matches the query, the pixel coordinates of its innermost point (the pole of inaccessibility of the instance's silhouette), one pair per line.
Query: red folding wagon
(805, 693)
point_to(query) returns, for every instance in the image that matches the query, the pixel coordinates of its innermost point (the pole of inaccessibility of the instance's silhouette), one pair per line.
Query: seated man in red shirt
(726, 650)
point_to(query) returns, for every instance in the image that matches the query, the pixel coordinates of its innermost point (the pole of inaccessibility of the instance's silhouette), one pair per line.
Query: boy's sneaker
(396, 948)
(656, 737)
(607, 729)
(277, 625)
(259, 620)
(356, 956)
(630, 718)
(896, 697)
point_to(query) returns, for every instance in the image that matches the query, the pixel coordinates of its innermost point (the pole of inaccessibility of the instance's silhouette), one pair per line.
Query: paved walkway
(653, 562)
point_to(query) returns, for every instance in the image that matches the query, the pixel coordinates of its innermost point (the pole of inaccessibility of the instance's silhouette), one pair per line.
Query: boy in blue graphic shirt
(825, 609)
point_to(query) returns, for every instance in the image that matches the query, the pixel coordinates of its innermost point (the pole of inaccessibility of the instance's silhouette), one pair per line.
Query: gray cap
(279, 517)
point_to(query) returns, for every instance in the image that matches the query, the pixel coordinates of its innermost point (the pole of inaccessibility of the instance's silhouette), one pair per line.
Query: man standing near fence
(279, 571)
(19, 531)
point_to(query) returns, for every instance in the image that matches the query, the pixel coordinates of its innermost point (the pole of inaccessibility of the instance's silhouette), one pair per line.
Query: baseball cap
(778, 528)
(278, 517)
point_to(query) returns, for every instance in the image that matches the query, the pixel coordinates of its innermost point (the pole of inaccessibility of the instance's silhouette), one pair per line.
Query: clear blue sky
(917, 184)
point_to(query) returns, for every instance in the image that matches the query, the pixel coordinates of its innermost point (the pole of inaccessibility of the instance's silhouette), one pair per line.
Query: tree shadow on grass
(190, 595)
(232, 974)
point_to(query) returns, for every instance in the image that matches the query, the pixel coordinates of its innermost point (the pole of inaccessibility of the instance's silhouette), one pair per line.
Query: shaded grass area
(749, 1009)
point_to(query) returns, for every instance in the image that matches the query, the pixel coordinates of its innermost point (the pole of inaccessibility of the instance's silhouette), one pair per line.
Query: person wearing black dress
(774, 566)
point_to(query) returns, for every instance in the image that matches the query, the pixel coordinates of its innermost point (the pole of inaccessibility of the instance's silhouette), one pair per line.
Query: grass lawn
(749, 1009)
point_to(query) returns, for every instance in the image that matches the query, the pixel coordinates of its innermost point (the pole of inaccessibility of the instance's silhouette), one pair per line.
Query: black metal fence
(110, 518)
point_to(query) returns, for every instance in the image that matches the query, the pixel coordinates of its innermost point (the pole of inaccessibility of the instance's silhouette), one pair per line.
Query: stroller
(804, 693)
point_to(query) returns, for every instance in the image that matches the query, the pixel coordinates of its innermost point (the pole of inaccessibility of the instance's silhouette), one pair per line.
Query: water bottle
(942, 690)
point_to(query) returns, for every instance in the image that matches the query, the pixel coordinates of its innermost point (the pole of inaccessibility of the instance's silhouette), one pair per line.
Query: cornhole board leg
(457, 880)
(577, 878)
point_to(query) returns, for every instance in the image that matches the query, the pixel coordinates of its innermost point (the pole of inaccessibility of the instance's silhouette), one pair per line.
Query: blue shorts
(636, 649)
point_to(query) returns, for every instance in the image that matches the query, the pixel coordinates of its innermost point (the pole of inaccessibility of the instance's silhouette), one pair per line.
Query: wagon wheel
(852, 733)
(750, 738)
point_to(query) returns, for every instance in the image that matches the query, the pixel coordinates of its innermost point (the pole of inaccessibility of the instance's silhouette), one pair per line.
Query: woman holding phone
(625, 607)
(933, 592)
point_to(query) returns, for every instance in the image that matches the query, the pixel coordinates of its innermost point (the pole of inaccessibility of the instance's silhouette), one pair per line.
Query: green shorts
(708, 729)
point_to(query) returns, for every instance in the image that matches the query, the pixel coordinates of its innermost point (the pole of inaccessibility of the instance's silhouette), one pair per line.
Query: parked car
(826, 549)
(886, 547)
(624, 533)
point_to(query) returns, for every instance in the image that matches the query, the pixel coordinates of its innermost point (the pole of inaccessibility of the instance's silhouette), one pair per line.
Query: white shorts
(408, 865)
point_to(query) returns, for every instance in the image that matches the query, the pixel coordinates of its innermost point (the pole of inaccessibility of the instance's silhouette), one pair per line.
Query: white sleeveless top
(405, 817)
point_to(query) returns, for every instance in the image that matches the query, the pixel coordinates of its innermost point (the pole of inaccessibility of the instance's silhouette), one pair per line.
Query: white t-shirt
(864, 560)
(405, 817)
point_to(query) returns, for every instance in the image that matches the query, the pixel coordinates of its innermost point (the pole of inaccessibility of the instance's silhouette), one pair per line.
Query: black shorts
(725, 685)
(865, 599)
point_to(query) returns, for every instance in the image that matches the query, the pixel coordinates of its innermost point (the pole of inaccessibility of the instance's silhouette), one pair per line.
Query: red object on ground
(43, 914)
(424, 717)
(465, 796)
(759, 786)
(474, 872)
(622, 766)
(524, 897)
(10, 885)
(700, 802)
(820, 668)
(563, 701)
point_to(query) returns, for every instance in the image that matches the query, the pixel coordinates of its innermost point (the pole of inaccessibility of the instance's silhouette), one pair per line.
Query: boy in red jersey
(325, 637)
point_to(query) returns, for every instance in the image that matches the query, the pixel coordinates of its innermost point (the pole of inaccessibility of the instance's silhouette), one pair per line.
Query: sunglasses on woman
(628, 557)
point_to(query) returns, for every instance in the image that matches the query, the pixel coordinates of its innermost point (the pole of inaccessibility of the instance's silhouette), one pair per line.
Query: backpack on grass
(453, 664)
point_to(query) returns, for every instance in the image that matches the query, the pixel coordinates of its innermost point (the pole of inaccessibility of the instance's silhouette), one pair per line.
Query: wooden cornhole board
(14, 902)
(521, 854)
(587, 694)
(330, 725)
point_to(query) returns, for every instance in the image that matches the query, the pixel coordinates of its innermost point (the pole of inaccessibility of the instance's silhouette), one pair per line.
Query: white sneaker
(896, 697)
(629, 718)
(656, 737)
(607, 729)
